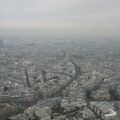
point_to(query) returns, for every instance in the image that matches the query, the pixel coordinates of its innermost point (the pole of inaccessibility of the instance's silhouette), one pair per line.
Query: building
(104, 110)
(1, 44)
(43, 113)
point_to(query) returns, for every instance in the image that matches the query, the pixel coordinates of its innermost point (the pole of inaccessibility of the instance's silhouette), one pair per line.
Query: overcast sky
(89, 14)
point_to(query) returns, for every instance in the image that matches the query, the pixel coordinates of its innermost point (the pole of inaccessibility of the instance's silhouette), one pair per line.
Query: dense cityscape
(72, 80)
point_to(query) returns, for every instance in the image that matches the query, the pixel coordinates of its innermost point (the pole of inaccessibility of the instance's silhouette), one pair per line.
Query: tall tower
(1, 44)
(44, 75)
(27, 77)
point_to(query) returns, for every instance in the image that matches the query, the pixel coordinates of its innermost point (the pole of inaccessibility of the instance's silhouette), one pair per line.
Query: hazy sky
(100, 15)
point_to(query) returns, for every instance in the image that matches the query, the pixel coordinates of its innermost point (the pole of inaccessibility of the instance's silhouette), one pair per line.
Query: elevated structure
(1, 44)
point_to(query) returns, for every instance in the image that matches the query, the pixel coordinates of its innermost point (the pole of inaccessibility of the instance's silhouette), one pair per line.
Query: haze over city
(61, 18)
